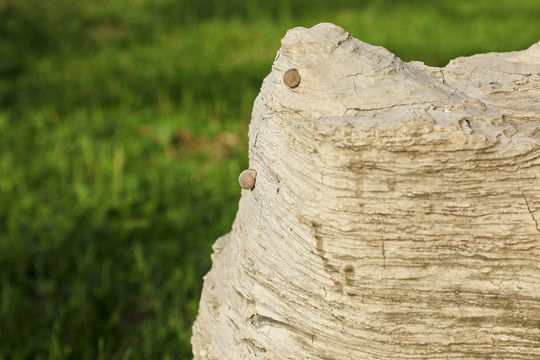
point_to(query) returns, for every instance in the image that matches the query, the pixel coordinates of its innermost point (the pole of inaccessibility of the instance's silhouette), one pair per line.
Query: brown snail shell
(291, 78)
(247, 179)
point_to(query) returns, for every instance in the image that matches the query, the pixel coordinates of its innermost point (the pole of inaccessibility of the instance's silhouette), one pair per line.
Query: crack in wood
(530, 211)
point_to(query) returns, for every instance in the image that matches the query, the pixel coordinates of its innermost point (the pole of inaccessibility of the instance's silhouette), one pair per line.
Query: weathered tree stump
(395, 213)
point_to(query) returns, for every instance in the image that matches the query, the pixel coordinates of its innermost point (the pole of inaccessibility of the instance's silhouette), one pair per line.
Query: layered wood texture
(395, 215)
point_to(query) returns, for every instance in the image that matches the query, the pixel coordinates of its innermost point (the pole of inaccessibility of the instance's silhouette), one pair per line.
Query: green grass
(123, 128)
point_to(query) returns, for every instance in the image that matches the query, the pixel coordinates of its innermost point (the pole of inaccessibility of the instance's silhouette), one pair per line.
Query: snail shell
(247, 179)
(291, 78)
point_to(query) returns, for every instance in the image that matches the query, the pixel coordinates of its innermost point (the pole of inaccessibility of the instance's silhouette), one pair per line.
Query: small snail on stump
(291, 78)
(247, 179)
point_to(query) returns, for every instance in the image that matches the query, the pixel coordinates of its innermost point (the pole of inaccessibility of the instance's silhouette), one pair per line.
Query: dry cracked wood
(395, 215)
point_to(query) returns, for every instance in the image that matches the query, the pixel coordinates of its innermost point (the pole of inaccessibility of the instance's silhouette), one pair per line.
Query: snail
(291, 78)
(247, 179)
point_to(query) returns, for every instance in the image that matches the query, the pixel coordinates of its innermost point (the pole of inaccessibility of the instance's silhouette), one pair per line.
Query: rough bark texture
(395, 215)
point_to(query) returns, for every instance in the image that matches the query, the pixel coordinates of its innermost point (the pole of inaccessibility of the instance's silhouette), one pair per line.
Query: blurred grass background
(123, 128)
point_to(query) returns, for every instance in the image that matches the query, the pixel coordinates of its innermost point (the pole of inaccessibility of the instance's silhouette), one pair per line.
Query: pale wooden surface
(396, 211)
